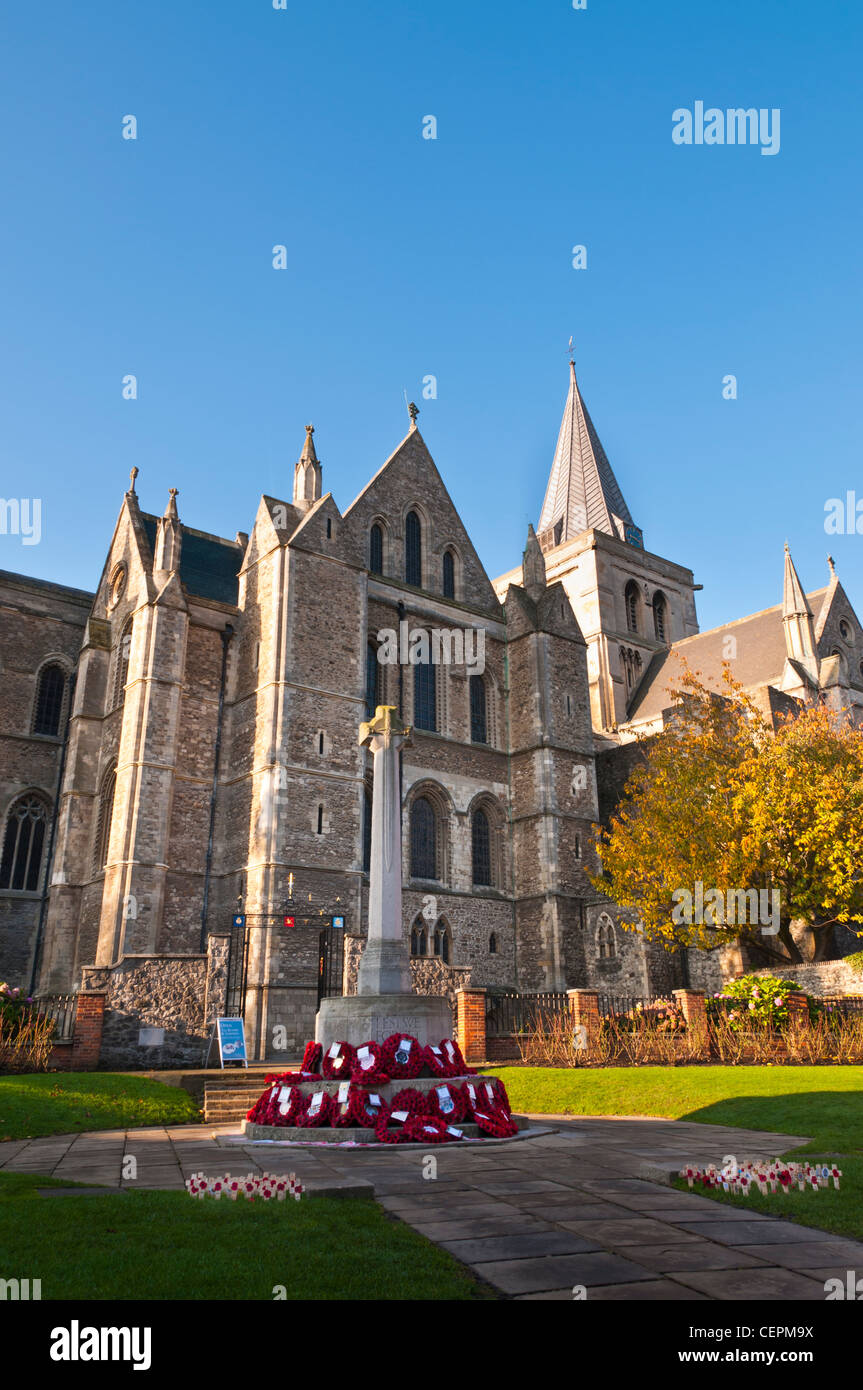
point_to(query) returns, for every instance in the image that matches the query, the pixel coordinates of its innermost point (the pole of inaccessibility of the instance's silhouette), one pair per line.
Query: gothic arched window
(481, 844)
(23, 845)
(103, 819)
(448, 574)
(413, 550)
(632, 599)
(605, 939)
(659, 612)
(121, 664)
(442, 941)
(373, 680)
(50, 696)
(367, 830)
(425, 696)
(478, 721)
(418, 938)
(423, 839)
(492, 945)
(376, 550)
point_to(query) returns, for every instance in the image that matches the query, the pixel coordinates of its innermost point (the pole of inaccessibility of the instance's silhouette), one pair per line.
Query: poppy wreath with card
(402, 1057)
(340, 1110)
(389, 1130)
(453, 1053)
(426, 1129)
(369, 1068)
(261, 1107)
(493, 1092)
(438, 1063)
(312, 1115)
(436, 1103)
(338, 1062)
(363, 1113)
(495, 1124)
(276, 1108)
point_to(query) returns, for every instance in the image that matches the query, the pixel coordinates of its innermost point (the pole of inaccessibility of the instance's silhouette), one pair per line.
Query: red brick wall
(82, 1053)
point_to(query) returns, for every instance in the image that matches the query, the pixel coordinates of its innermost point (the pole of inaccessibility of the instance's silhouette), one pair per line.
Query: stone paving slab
(517, 1247)
(649, 1290)
(573, 1207)
(807, 1254)
(753, 1284)
(534, 1275)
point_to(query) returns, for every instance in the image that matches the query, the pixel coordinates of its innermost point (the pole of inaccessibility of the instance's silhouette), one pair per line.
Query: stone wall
(820, 978)
(165, 992)
(431, 976)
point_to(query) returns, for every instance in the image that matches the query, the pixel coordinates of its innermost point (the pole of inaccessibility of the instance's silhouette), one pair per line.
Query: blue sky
(451, 257)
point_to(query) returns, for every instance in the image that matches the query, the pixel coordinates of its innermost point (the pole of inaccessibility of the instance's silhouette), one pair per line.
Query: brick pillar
(470, 1027)
(87, 1038)
(798, 1010)
(692, 1006)
(584, 1008)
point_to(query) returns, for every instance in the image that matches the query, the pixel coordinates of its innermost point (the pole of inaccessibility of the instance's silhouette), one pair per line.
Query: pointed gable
(410, 482)
(582, 493)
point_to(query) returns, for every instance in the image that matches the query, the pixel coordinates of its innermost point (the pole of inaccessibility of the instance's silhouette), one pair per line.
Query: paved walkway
(533, 1218)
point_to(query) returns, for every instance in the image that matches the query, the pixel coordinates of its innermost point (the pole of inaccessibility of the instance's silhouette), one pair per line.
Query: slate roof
(208, 565)
(582, 489)
(759, 658)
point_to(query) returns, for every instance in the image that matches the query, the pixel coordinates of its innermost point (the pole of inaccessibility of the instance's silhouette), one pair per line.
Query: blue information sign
(240, 920)
(232, 1040)
(338, 922)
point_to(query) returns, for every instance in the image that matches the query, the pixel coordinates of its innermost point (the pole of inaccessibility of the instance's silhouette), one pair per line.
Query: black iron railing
(512, 1012)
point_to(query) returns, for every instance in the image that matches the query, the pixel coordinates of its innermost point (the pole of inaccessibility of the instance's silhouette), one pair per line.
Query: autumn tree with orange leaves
(722, 800)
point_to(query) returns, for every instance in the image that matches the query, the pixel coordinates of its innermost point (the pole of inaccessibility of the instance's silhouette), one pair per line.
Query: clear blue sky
(450, 257)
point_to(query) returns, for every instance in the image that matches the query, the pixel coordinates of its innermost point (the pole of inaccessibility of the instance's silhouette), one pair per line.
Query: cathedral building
(184, 804)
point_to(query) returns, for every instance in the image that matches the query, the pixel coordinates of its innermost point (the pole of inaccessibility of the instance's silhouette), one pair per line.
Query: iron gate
(238, 970)
(331, 961)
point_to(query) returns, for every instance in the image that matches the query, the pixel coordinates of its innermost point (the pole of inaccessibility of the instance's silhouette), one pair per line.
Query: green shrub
(763, 999)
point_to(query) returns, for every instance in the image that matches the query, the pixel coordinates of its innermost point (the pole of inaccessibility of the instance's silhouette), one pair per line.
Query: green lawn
(62, 1103)
(166, 1245)
(824, 1103)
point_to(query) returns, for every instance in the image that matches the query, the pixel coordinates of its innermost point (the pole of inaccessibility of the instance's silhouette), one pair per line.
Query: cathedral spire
(582, 490)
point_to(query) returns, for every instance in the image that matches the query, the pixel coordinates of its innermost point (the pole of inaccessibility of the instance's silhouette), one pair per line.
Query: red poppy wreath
(402, 1057)
(446, 1103)
(339, 1061)
(367, 1109)
(315, 1111)
(368, 1068)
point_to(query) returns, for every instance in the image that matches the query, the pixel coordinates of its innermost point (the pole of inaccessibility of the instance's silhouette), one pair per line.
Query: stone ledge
(352, 1138)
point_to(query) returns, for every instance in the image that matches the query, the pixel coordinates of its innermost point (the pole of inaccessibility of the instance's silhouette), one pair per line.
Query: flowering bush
(759, 999)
